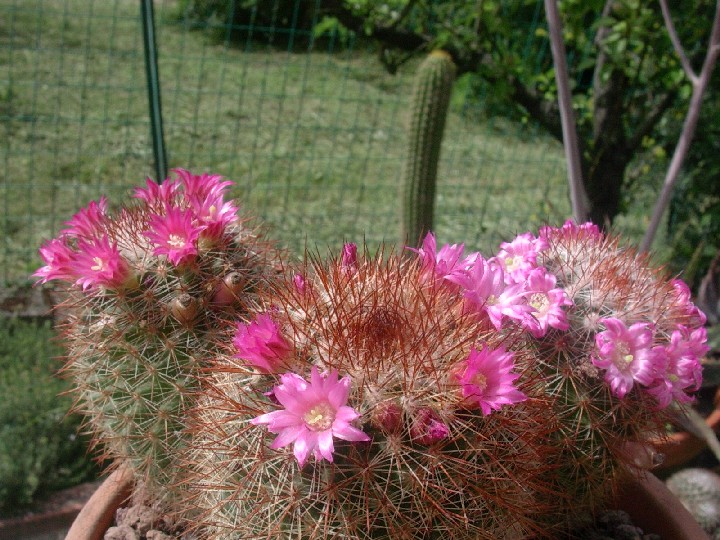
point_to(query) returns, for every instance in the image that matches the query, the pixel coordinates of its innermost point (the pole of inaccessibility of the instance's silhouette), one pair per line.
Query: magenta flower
(58, 257)
(87, 223)
(314, 413)
(626, 354)
(157, 195)
(260, 344)
(519, 257)
(486, 380)
(570, 229)
(485, 290)
(202, 186)
(214, 214)
(99, 264)
(681, 370)
(439, 265)
(174, 235)
(683, 301)
(547, 302)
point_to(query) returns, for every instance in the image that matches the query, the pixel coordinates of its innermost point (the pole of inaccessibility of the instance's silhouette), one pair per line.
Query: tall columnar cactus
(152, 290)
(365, 402)
(429, 105)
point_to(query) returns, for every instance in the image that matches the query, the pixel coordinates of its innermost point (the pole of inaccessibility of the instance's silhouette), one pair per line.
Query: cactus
(429, 105)
(152, 290)
(367, 396)
(626, 345)
(397, 416)
(699, 491)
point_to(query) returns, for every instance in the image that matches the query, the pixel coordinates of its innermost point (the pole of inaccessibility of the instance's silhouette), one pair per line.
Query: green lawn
(314, 141)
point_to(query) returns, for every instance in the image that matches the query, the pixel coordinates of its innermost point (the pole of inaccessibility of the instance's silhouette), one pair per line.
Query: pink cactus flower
(486, 292)
(681, 370)
(486, 380)
(683, 300)
(626, 355)
(314, 413)
(87, 223)
(261, 345)
(214, 214)
(439, 265)
(547, 302)
(99, 264)
(518, 258)
(157, 195)
(202, 186)
(572, 229)
(58, 257)
(174, 235)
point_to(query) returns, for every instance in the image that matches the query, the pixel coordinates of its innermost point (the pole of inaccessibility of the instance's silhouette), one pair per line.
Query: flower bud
(387, 417)
(427, 428)
(229, 289)
(184, 308)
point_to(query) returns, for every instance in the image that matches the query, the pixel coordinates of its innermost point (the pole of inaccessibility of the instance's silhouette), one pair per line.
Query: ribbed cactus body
(433, 466)
(429, 105)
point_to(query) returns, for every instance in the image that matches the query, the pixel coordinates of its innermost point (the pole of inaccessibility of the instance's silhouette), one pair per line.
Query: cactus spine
(162, 280)
(429, 106)
(430, 465)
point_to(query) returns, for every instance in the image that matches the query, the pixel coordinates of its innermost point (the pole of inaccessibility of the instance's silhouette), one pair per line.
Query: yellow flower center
(175, 241)
(539, 301)
(320, 417)
(479, 380)
(99, 264)
(623, 356)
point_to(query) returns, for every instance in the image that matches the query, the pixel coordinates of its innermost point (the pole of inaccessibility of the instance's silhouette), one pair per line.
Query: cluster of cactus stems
(367, 396)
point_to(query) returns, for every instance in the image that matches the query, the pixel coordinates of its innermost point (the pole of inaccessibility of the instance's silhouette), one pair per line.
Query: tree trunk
(608, 157)
(604, 182)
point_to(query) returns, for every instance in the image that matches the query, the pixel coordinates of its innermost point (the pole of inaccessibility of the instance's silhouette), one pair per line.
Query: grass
(40, 450)
(313, 140)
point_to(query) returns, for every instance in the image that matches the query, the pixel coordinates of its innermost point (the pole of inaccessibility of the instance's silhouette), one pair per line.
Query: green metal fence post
(153, 84)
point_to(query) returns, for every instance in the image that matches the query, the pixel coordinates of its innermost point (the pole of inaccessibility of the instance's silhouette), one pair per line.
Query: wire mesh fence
(311, 131)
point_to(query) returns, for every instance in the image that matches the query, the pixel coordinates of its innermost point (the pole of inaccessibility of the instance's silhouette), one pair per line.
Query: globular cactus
(366, 402)
(699, 491)
(429, 105)
(623, 342)
(152, 291)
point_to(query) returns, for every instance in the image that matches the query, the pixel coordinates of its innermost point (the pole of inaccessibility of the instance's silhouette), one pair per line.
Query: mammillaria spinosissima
(367, 396)
(375, 408)
(461, 377)
(153, 291)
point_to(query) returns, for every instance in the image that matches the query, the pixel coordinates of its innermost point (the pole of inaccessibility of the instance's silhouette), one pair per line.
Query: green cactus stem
(430, 101)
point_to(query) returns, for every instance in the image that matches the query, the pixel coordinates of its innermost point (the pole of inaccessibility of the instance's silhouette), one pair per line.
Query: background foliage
(40, 450)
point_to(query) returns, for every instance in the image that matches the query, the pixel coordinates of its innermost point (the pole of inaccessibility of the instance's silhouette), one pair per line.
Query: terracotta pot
(681, 447)
(97, 515)
(655, 509)
(646, 499)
